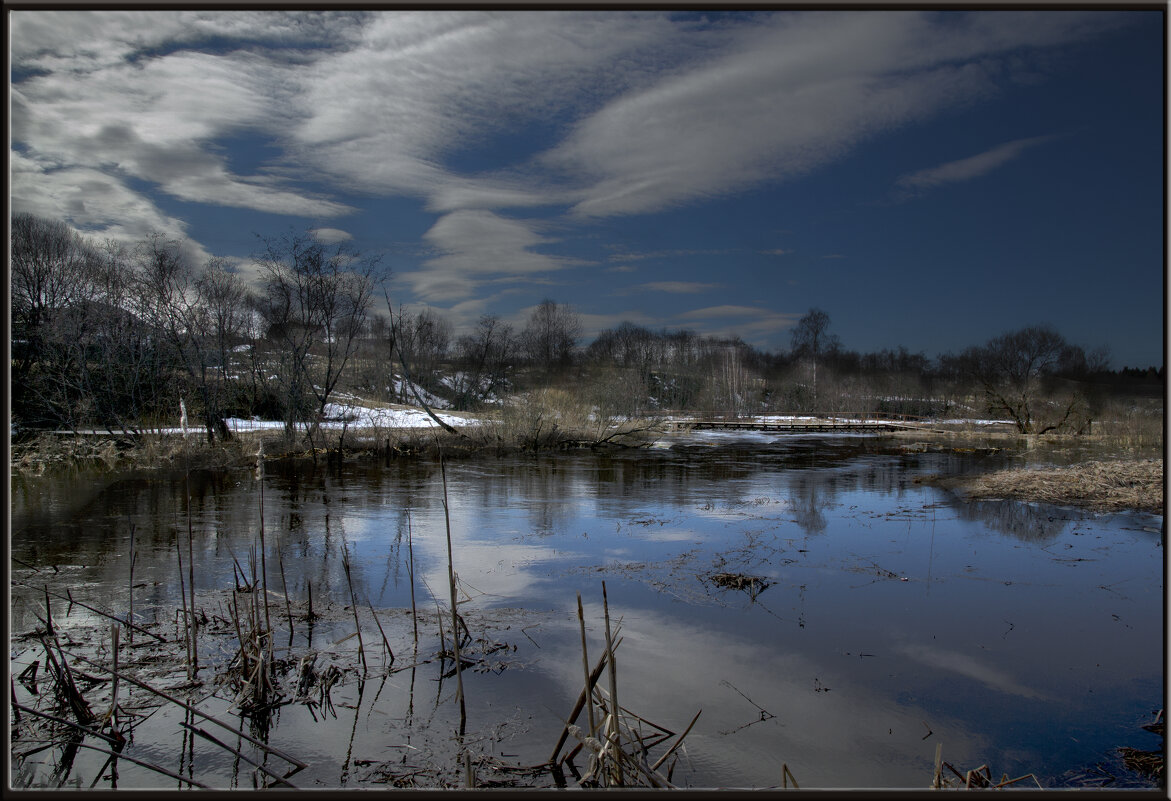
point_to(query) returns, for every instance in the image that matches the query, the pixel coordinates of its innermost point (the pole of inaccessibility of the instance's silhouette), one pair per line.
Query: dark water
(1026, 637)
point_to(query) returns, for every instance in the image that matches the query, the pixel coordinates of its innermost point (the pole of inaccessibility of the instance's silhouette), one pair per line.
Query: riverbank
(1097, 471)
(1101, 485)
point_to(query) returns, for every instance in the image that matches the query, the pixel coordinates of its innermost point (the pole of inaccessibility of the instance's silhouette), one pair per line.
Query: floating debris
(753, 585)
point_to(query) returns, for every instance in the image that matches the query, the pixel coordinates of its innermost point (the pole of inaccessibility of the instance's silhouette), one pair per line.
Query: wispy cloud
(965, 169)
(971, 668)
(331, 236)
(673, 287)
(796, 92)
(753, 324)
(724, 311)
(628, 255)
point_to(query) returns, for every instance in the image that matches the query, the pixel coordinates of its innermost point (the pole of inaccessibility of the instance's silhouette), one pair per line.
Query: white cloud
(387, 113)
(634, 112)
(158, 121)
(479, 246)
(967, 168)
(96, 204)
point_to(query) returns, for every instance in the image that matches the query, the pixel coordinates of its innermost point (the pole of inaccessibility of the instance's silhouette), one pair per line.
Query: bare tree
(551, 334)
(424, 338)
(811, 339)
(1013, 369)
(483, 357)
(316, 298)
(54, 272)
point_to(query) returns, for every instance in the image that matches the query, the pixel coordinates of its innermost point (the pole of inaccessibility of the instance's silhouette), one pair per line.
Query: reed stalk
(280, 560)
(114, 631)
(354, 607)
(130, 611)
(48, 614)
(582, 698)
(264, 574)
(183, 597)
(585, 662)
(193, 623)
(459, 679)
(615, 735)
(411, 577)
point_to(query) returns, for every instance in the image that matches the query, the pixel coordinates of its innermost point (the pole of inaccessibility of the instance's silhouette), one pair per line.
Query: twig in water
(226, 747)
(385, 642)
(167, 696)
(679, 742)
(104, 614)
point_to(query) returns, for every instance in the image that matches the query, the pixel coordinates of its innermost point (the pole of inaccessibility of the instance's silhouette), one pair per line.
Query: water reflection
(889, 603)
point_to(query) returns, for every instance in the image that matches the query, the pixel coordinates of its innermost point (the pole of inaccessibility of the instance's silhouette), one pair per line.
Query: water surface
(893, 616)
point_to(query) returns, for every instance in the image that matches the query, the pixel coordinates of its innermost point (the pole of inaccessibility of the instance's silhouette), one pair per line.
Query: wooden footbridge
(786, 424)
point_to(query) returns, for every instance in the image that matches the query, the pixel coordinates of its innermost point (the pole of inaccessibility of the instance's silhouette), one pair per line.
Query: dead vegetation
(980, 778)
(617, 743)
(1107, 485)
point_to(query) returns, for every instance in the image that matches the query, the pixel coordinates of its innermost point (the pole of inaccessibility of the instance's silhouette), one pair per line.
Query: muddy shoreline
(1101, 475)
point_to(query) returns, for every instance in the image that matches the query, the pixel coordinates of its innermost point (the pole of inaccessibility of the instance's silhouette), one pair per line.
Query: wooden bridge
(785, 424)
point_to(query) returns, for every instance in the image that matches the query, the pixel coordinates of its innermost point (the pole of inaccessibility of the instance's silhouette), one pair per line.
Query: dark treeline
(127, 338)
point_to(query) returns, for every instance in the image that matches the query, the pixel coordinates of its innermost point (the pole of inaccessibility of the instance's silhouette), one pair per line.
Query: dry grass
(1102, 485)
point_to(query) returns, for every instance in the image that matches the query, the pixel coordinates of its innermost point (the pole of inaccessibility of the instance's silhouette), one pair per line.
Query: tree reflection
(806, 497)
(1027, 522)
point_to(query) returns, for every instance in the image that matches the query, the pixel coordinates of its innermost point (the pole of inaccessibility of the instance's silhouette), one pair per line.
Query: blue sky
(931, 179)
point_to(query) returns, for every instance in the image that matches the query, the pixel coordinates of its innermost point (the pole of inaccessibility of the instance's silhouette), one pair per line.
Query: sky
(930, 179)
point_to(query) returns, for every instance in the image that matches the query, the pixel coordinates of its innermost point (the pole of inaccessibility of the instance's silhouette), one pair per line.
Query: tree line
(113, 336)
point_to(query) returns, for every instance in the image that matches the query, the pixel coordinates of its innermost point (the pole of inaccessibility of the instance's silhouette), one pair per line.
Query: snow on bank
(338, 415)
(366, 417)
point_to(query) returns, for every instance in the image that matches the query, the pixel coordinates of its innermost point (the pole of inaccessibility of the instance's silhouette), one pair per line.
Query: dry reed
(1103, 485)
(619, 750)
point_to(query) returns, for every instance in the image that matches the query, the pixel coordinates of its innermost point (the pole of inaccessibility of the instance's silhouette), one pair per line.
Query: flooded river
(887, 616)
